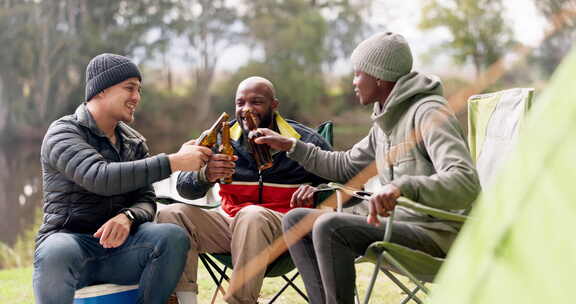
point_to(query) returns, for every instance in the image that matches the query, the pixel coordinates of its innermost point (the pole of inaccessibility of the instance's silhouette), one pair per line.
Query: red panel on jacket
(238, 195)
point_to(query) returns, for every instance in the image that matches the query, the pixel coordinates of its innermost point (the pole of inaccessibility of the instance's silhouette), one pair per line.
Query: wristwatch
(129, 215)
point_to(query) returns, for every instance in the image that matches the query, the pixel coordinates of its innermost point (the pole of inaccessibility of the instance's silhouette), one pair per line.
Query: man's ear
(275, 104)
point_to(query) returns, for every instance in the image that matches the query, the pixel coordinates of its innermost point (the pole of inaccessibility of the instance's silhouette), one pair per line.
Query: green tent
(520, 244)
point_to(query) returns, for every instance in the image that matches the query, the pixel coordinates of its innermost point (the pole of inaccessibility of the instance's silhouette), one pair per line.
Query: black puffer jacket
(87, 181)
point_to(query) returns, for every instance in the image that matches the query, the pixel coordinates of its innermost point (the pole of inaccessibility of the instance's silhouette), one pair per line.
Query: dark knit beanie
(106, 70)
(385, 56)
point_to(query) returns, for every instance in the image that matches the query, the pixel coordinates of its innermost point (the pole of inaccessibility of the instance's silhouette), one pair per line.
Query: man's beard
(265, 121)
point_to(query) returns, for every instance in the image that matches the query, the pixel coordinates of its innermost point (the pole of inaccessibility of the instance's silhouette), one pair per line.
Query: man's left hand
(114, 232)
(382, 203)
(303, 197)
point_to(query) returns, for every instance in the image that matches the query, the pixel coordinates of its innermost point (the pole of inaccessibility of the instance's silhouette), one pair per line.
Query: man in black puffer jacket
(98, 200)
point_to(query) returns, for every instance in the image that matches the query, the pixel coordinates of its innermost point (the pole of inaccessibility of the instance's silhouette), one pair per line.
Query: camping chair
(494, 121)
(278, 268)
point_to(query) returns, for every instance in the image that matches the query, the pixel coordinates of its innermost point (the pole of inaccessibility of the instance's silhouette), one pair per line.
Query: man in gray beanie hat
(420, 153)
(98, 199)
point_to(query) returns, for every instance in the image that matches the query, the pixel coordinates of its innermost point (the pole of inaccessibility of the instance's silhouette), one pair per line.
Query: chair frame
(393, 264)
(209, 262)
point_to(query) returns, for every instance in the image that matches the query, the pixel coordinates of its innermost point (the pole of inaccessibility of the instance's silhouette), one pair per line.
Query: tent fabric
(518, 246)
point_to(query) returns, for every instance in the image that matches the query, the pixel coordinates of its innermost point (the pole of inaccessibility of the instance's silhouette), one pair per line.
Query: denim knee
(59, 251)
(168, 237)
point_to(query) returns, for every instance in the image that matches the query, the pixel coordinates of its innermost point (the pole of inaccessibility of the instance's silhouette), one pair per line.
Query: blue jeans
(325, 256)
(153, 257)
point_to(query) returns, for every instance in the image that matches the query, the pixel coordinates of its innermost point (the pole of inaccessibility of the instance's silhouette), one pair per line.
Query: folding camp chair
(167, 194)
(494, 121)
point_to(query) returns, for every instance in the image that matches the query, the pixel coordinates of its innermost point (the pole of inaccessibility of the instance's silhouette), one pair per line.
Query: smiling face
(120, 100)
(257, 96)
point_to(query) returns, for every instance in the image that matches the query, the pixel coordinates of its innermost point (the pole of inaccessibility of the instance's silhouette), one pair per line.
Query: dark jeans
(325, 256)
(153, 257)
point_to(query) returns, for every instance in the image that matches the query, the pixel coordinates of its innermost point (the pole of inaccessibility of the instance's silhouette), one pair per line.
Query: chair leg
(373, 280)
(412, 296)
(404, 271)
(356, 295)
(210, 265)
(289, 282)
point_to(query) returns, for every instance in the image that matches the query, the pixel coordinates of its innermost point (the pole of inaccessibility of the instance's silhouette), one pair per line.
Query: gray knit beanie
(385, 56)
(106, 70)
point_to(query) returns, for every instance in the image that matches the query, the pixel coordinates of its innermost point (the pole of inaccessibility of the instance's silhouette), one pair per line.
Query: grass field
(16, 287)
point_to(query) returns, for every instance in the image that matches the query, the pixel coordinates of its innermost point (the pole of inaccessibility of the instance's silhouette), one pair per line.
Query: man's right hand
(220, 166)
(190, 157)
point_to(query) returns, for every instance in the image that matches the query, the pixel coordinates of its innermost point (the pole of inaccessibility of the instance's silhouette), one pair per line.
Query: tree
(479, 33)
(46, 46)
(209, 28)
(558, 44)
(299, 40)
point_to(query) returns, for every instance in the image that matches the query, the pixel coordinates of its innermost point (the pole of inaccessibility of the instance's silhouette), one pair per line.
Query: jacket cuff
(406, 189)
(165, 169)
(299, 150)
(202, 176)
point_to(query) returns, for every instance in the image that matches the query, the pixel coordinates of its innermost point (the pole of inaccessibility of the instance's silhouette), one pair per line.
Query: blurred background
(193, 53)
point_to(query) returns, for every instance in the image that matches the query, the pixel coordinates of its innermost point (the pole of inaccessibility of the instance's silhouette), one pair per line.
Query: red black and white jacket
(278, 182)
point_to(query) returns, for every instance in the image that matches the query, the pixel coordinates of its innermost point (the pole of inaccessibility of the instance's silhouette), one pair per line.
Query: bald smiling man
(250, 216)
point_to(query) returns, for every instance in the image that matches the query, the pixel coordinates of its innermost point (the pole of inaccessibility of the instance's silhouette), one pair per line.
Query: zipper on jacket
(260, 187)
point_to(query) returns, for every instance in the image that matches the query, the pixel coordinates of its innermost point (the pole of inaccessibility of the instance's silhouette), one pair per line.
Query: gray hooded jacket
(418, 146)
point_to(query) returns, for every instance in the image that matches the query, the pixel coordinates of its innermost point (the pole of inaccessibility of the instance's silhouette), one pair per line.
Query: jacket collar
(86, 119)
(283, 126)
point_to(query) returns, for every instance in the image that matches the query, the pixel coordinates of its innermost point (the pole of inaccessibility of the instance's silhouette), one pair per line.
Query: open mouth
(131, 107)
(244, 119)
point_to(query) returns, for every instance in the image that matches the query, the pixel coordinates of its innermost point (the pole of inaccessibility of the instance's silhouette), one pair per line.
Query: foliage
(208, 27)
(553, 49)
(46, 46)
(479, 33)
(298, 39)
(22, 253)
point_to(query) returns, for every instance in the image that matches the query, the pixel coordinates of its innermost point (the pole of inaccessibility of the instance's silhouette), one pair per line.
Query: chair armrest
(437, 213)
(166, 193)
(324, 191)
